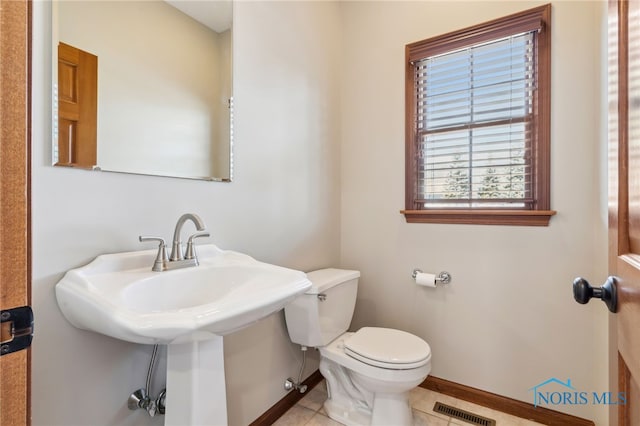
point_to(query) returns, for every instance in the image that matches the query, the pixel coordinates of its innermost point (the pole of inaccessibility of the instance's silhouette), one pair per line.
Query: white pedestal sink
(197, 370)
(188, 309)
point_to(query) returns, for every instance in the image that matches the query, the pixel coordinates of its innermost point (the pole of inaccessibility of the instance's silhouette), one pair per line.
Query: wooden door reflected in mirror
(77, 107)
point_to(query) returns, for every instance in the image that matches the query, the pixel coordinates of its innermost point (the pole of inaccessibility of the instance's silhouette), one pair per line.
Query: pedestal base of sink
(196, 392)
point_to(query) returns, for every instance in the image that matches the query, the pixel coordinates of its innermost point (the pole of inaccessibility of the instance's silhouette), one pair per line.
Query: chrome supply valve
(161, 401)
(289, 385)
(141, 399)
(138, 399)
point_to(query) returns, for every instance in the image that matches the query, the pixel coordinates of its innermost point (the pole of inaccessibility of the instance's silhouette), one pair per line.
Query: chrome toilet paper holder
(443, 277)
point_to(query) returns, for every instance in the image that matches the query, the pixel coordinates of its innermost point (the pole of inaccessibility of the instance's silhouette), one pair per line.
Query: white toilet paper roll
(424, 279)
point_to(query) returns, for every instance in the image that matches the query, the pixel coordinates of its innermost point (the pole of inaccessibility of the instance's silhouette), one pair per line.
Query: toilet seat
(387, 348)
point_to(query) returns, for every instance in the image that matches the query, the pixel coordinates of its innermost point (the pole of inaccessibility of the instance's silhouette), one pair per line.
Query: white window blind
(473, 128)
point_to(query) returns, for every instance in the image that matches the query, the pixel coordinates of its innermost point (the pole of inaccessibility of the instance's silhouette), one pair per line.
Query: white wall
(508, 320)
(283, 207)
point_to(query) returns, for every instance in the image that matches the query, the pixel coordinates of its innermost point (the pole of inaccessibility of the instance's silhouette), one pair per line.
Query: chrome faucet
(177, 259)
(176, 248)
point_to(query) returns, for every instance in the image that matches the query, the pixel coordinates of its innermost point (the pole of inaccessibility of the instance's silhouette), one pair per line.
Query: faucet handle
(146, 239)
(161, 257)
(191, 251)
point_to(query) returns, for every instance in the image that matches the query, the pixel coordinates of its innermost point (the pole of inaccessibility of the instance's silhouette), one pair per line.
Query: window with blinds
(474, 125)
(478, 120)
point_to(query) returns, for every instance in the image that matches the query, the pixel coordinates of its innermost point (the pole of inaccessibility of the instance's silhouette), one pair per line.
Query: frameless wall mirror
(144, 87)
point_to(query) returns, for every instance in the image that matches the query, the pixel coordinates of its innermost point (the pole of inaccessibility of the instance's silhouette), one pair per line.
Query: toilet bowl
(373, 391)
(370, 372)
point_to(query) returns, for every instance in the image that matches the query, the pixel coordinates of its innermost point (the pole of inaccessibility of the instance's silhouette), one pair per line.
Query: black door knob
(583, 292)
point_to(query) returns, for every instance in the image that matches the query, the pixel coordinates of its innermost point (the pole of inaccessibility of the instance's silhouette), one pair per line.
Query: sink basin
(187, 309)
(119, 296)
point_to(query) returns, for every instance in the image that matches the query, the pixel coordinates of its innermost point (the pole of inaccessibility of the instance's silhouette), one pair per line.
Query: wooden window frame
(540, 212)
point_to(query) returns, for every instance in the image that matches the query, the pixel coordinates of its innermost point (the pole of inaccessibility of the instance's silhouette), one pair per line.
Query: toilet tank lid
(323, 279)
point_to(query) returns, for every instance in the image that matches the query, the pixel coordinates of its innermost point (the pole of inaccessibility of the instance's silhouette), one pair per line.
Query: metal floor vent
(465, 416)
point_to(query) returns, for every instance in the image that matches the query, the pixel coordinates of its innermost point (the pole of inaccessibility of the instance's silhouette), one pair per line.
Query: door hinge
(16, 329)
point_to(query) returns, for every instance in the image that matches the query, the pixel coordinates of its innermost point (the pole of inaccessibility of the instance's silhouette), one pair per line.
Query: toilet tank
(324, 312)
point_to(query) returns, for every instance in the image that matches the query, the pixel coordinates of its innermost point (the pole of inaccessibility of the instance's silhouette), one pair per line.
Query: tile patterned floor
(309, 412)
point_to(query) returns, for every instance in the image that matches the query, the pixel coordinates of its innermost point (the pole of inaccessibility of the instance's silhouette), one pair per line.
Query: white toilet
(369, 373)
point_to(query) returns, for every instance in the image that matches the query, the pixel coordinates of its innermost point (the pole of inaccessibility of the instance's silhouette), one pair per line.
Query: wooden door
(15, 39)
(624, 194)
(77, 107)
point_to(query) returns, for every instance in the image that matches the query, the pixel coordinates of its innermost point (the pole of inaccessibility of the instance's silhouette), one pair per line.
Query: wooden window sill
(481, 217)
